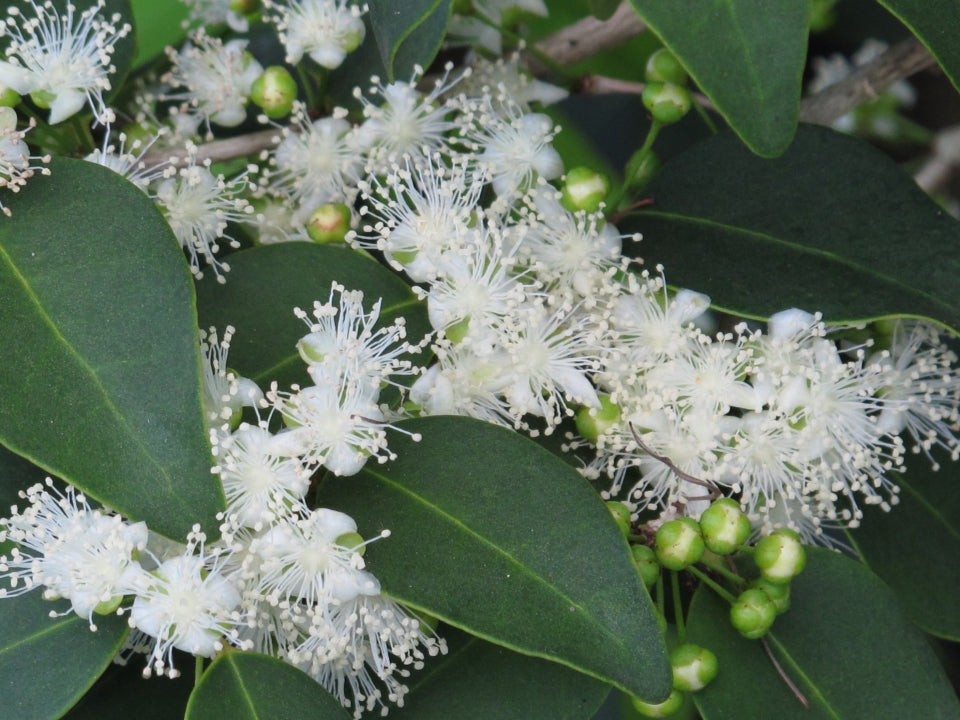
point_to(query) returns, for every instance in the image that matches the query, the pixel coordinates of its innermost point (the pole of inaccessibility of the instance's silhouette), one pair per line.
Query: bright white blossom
(326, 30)
(17, 165)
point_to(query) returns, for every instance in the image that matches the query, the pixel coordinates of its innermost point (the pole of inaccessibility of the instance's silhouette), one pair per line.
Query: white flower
(16, 162)
(225, 393)
(217, 78)
(127, 161)
(215, 12)
(62, 60)
(326, 30)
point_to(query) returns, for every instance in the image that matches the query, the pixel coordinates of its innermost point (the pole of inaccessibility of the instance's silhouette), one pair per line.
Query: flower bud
(329, 223)
(663, 67)
(274, 91)
(584, 189)
(780, 555)
(753, 613)
(779, 593)
(679, 543)
(693, 667)
(659, 710)
(667, 102)
(8, 96)
(621, 515)
(351, 541)
(641, 167)
(646, 562)
(594, 422)
(724, 526)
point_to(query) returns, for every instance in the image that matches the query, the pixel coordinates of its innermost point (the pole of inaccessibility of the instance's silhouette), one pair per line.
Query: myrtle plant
(488, 359)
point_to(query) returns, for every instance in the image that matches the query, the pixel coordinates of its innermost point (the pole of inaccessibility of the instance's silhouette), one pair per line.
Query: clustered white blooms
(284, 578)
(17, 165)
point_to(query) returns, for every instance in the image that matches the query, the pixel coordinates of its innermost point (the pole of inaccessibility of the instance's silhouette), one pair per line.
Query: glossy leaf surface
(844, 642)
(102, 386)
(408, 33)
(746, 55)
(497, 536)
(833, 225)
(935, 23)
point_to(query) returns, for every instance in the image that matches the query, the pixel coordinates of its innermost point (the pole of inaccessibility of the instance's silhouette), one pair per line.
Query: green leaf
(497, 536)
(158, 23)
(602, 9)
(912, 546)
(102, 386)
(747, 56)
(477, 680)
(408, 33)
(249, 686)
(123, 693)
(16, 474)
(934, 22)
(844, 642)
(266, 283)
(47, 664)
(833, 225)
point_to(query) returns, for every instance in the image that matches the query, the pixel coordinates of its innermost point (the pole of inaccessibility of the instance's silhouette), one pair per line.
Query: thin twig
(714, 491)
(898, 62)
(219, 150)
(783, 674)
(587, 37)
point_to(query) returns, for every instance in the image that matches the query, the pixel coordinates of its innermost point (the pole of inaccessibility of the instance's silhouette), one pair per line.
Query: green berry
(753, 613)
(646, 561)
(667, 102)
(351, 541)
(779, 593)
(780, 555)
(679, 543)
(584, 189)
(659, 710)
(8, 96)
(621, 515)
(329, 223)
(594, 422)
(724, 526)
(693, 667)
(274, 91)
(663, 66)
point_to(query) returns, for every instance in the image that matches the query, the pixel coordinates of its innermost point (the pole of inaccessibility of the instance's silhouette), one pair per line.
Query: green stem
(705, 116)
(677, 606)
(616, 198)
(728, 574)
(197, 670)
(716, 587)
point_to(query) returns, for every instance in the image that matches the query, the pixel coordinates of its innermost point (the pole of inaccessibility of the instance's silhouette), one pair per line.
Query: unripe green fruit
(108, 607)
(779, 593)
(646, 561)
(659, 710)
(621, 515)
(753, 613)
(679, 543)
(351, 541)
(780, 555)
(8, 97)
(724, 526)
(667, 102)
(329, 223)
(274, 91)
(663, 66)
(584, 189)
(594, 422)
(822, 15)
(641, 167)
(693, 667)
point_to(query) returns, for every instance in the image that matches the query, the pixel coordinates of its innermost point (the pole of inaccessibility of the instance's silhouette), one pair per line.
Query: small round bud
(351, 541)
(584, 189)
(329, 223)
(274, 91)
(780, 555)
(108, 607)
(679, 543)
(779, 593)
(693, 667)
(594, 422)
(621, 515)
(646, 561)
(753, 613)
(8, 96)
(659, 710)
(663, 66)
(823, 15)
(667, 102)
(641, 167)
(724, 526)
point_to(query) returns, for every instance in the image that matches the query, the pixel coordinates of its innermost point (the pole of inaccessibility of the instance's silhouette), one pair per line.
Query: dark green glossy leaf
(935, 24)
(249, 686)
(602, 9)
(477, 680)
(497, 536)
(845, 642)
(16, 474)
(910, 546)
(266, 283)
(102, 385)
(408, 33)
(833, 225)
(158, 23)
(47, 664)
(747, 56)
